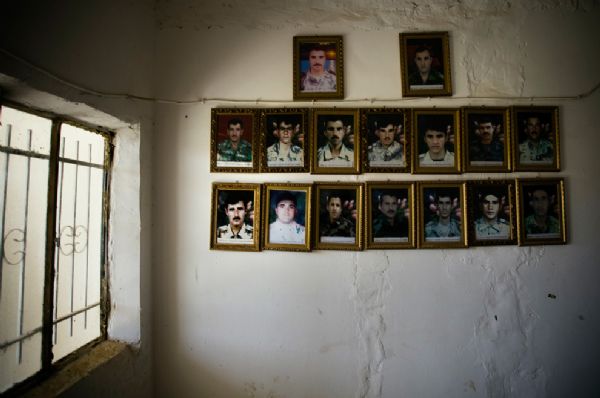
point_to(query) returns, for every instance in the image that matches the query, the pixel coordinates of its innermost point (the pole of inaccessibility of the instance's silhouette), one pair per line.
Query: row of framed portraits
(385, 140)
(424, 66)
(387, 215)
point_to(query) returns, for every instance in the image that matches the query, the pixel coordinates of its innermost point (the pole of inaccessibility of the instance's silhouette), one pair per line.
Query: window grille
(54, 176)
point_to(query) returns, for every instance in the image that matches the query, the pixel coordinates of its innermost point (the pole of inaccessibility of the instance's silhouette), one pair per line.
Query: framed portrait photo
(235, 221)
(318, 67)
(492, 213)
(386, 140)
(536, 138)
(425, 64)
(287, 216)
(335, 141)
(233, 140)
(486, 139)
(284, 141)
(436, 143)
(338, 216)
(442, 215)
(541, 211)
(390, 215)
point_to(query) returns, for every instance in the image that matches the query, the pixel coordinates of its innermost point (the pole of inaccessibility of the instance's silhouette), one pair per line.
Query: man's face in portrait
(534, 128)
(540, 202)
(334, 208)
(334, 131)
(236, 212)
(235, 132)
(423, 61)
(444, 206)
(386, 134)
(286, 211)
(486, 132)
(436, 141)
(286, 132)
(388, 206)
(316, 58)
(490, 205)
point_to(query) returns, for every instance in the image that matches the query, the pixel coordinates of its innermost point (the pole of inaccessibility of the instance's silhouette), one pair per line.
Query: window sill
(77, 369)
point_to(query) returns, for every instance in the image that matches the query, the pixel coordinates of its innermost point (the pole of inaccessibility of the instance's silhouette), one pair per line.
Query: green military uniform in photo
(243, 153)
(225, 232)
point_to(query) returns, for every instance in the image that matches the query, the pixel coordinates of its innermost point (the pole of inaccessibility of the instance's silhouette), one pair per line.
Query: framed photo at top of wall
(442, 215)
(235, 220)
(318, 67)
(338, 216)
(287, 216)
(492, 212)
(390, 215)
(233, 140)
(386, 143)
(436, 141)
(284, 141)
(425, 64)
(335, 141)
(536, 138)
(541, 211)
(486, 139)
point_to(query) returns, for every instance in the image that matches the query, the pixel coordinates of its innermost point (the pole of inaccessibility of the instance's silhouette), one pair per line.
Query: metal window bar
(57, 238)
(49, 318)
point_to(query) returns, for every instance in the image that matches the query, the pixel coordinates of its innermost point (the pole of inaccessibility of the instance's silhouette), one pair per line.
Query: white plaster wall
(419, 323)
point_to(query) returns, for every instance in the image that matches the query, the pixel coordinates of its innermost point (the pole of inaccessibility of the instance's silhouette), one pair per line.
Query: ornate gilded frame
(438, 118)
(350, 119)
(555, 191)
(405, 200)
(219, 219)
(302, 195)
(428, 192)
(436, 42)
(334, 51)
(351, 200)
(499, 117)
(270, 118)
(549, 132)
(504, 230)
(371, 119)
(219, 121)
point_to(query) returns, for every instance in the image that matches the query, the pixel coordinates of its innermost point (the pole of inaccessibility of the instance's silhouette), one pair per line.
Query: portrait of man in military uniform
(237, 210)
(337, 216)
(491, 220)
(390, 212)
(284, 139)
(334, 148)
(385, 140)
(234, 140)
(535, 145)
(486, 141)
(435, 142)
(442, 214)
(541, 212)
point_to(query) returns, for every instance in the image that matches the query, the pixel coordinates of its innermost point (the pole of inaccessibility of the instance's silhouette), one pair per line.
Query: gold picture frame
(285, 140)
(442, 215)
(542, 218)
(425, 64)
(335, 141)
(390, 215)
(536, 138)
(235, 220)
(287, 217)
(436, 141)
(385, 140)
(492, 212)
(318, 64)
(486, 139)
(338, 216)
(233, 140)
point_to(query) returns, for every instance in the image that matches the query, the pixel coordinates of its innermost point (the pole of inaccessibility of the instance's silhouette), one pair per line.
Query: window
(54, 176)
